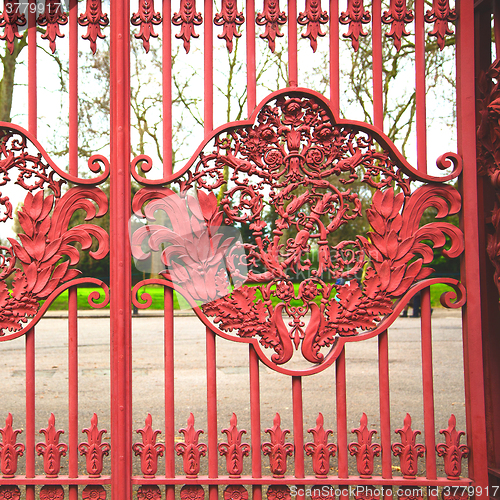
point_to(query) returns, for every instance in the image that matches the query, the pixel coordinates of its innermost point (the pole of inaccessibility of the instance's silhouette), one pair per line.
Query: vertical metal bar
(472, 321)
(385, 404)
(293, 78)
(168, 327)
(167, 87)
(428, 384)
(32, 79)
(251, 63)
(213, 461)
(298, 429)
(208, 68)
(378, 95)
(334, 56)
(120, 260)
(73, 87)
(420, 86)
(30, 410)
(255, 419)
(340, 382)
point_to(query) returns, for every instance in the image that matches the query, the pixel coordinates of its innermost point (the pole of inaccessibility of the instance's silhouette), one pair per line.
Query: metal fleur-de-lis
(187, 18)
(441, 14)
(408, 451)
(364, 450)
(321, 450)
(190, 450)
(149, 450)
(452, 451)
(94, 450)
(272, 18)
(277, 449)
(234, 450)
(51, 450)
(355, 16)
(146, 17)
(397, 16)
(95, 20)
(9, 449)
(229, 18)
(11, 19)
(52, 17)
(313, 17)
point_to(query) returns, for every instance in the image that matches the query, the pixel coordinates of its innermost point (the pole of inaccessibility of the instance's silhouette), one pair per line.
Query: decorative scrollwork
(94, 450)
(149, 450)
(95, 19)
(146, 18)
(53, 17)
(355, 16)
(190, 449)
(441, 14)
(321, 450)
(397, 16)
(9, 449)
(11, 19)
(234, 450)
(364, 450)
(187, 18)
(408, 450)
(272, 17)
(277, 449)
(452, 450)
(51, 450)
(229, 18)
(313, 17)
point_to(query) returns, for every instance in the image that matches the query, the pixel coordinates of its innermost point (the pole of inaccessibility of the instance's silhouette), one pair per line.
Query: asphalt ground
(232, 380)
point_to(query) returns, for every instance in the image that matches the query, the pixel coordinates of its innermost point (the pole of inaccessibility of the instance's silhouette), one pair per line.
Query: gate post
(472, 327)
(120, 255)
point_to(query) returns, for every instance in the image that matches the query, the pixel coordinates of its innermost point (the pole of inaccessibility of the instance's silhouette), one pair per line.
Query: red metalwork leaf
(229, 18)
(277, 449)
(146, 18)
(320, 450)
(313, 17)
(364, 450)
(187, 18)
(234, 450)
(397, 16)
(51, 449)
(95, 20)
(355, 16)
(408, 450)
(272, 18)
(94, 449)
(9, 449)
(441, 15)
(53, 17)
(190, 449)
(452, 451)
(149, 450)
(11, 19)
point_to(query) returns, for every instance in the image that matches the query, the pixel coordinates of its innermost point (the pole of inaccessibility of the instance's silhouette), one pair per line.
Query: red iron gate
(287, 179)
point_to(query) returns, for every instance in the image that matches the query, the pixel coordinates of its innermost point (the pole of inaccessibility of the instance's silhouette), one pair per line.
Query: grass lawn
(156, 292)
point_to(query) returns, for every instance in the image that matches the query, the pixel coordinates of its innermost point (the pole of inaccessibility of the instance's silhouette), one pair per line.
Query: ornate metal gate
(248, 237)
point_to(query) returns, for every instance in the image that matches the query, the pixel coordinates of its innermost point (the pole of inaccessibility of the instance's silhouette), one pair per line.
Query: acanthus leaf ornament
(51, 450)
(277, 449)
(397, 16)
(234, 450)
(190, 449)
(9, 449)
(94, 449)
(95, 19)
(229, 18)
(441, 14)
(149, 450)
(364, 450)
(146, 18)
(408, 450)
(321, 450)
(272, 17)
(53, 17)
(452, 451)
(313, 17)
(11, 19)
(187, 18)
(355, 16)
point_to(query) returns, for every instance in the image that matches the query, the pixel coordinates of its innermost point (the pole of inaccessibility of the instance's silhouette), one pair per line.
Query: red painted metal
(285, 154)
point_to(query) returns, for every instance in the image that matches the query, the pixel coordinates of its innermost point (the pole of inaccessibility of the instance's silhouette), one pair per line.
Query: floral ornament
(277, 449)
(95, 19)
(192, 492)
(146, 18)
(148, 492)
(364, 450)
(53, 17)
(94, 450)
(9, 449)
(355, 16)
(323, 493)
(320, 450)
(410, 493)
(272, 18)
(94, 492)
(441, 14)
(367, 493)
(452, 450)
(234, 450)
(187, 18)
(236, 492)
(45, 241)
(408, 451)
(397, 16)
(229, 18)
(52, 492)
(8, 492)
(191, 450)
(278, 492)
(51, 450)
(313, 17)
(149, 450)
(11, 19)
